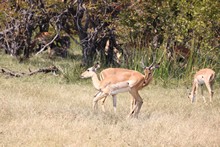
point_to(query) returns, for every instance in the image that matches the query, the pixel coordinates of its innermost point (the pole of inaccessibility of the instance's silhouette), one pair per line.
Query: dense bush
(182, 35)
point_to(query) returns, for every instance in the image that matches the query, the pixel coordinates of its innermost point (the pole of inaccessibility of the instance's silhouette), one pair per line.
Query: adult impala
(107, 73)
(204, 76)
(118, 80)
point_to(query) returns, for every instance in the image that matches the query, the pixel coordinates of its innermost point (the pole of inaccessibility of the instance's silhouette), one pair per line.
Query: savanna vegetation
(55, 108)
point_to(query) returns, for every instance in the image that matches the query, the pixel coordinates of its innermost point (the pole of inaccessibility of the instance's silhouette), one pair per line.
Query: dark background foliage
(183, 36)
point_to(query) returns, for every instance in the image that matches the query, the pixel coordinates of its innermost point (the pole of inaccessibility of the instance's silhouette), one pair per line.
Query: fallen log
(45, 70)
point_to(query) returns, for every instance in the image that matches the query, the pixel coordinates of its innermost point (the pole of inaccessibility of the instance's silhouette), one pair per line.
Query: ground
(34, 112)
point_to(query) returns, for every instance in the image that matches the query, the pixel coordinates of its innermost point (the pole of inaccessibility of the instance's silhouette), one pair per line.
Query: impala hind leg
(210, 90)
(202, 93)
(98, 97)
(114, 98)
(103, 102)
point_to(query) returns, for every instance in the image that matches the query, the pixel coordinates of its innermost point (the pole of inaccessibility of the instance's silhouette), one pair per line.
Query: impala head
(90, 71)
(148, 70)
(152, 67)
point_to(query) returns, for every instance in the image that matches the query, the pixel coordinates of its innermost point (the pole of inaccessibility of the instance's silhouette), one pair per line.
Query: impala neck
(96, 81)
(147, 78)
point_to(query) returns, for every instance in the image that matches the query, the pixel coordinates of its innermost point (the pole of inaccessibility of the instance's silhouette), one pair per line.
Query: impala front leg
(132, 103)
(138, 104)
(193, 94)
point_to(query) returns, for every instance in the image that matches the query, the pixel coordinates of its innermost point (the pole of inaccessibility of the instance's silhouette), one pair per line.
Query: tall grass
(172, 71)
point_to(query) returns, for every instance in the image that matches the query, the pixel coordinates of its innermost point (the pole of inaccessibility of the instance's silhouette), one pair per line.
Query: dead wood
(45, 70)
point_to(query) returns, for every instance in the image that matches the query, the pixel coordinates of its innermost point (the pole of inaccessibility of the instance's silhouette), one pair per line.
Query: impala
(177, 52)
(91, 72)
(204, 76)
(41, 39)
(118, 80)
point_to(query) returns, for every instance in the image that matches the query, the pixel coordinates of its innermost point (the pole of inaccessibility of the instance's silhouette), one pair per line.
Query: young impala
(204, 76)
(118, 80)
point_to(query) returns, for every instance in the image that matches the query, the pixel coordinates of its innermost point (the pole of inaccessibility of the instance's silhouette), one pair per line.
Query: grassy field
(45, 110)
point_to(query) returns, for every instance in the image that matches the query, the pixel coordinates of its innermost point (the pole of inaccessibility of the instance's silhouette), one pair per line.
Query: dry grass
(58, 114)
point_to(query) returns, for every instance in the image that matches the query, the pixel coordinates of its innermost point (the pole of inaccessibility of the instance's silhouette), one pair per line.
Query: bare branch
(42, 49)
(21, 74)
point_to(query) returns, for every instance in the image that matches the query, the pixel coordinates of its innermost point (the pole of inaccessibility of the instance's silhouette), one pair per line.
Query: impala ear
(96, 66)
(155, 66)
